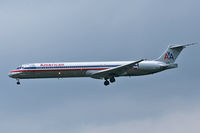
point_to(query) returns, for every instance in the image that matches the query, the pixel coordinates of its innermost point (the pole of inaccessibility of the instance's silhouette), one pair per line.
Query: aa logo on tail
(169, 56)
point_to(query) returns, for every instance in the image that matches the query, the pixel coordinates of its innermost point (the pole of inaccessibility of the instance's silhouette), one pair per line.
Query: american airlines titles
(51, 65)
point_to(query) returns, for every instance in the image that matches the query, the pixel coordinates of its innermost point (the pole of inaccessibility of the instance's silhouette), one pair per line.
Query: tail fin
(172, 52)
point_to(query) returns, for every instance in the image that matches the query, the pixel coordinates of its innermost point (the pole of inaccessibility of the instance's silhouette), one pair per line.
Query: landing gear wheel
(18, 83)
(112, 80)
(106, 83)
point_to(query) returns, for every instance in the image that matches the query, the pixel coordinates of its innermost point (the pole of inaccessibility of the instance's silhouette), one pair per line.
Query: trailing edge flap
(115, 71)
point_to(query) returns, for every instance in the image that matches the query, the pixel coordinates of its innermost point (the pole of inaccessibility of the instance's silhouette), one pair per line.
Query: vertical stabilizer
(172, 52)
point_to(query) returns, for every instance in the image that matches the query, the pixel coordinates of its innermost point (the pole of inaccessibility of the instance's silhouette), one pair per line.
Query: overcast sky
(105, 30)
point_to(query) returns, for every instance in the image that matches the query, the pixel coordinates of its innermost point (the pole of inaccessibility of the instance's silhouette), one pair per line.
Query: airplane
(107, 71)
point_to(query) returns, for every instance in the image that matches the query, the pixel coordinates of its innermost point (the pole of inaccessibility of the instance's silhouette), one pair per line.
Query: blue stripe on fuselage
(71, 67)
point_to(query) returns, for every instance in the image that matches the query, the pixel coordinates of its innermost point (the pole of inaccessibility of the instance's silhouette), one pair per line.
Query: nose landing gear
(18, 82)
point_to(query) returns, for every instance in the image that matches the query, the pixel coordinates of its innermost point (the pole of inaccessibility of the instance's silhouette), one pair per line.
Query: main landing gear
(18, 82)
(106, 83)
(112, 80)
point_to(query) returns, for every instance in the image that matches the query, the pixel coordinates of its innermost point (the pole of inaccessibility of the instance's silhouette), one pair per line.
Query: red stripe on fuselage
(48, 70)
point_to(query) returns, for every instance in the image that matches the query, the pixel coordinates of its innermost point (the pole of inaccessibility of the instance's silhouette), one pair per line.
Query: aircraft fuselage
(82, 69)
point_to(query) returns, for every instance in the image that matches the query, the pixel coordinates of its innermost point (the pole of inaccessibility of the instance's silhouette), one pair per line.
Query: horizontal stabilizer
(184, 45)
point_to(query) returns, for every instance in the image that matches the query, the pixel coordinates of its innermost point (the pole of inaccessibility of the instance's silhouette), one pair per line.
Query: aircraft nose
(12, 74)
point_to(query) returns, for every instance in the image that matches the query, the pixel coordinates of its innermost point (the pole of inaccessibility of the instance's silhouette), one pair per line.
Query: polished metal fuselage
(84, 69)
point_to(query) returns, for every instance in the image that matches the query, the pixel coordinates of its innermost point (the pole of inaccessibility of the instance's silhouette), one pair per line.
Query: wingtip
(191, 44)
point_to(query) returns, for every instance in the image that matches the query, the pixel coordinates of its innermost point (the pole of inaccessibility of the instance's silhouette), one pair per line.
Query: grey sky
(59, 30)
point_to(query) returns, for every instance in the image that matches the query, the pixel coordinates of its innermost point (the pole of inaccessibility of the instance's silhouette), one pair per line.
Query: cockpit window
(20, 67)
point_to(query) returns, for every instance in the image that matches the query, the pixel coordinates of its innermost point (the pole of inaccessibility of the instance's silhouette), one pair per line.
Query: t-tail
(172, 52)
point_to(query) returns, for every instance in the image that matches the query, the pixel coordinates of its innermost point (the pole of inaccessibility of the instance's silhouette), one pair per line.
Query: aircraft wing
(115, 71)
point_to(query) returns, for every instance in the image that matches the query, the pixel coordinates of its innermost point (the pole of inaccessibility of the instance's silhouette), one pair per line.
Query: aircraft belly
(139, 72)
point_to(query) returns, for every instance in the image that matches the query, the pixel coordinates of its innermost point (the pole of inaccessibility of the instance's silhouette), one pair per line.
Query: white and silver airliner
(99, 70)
